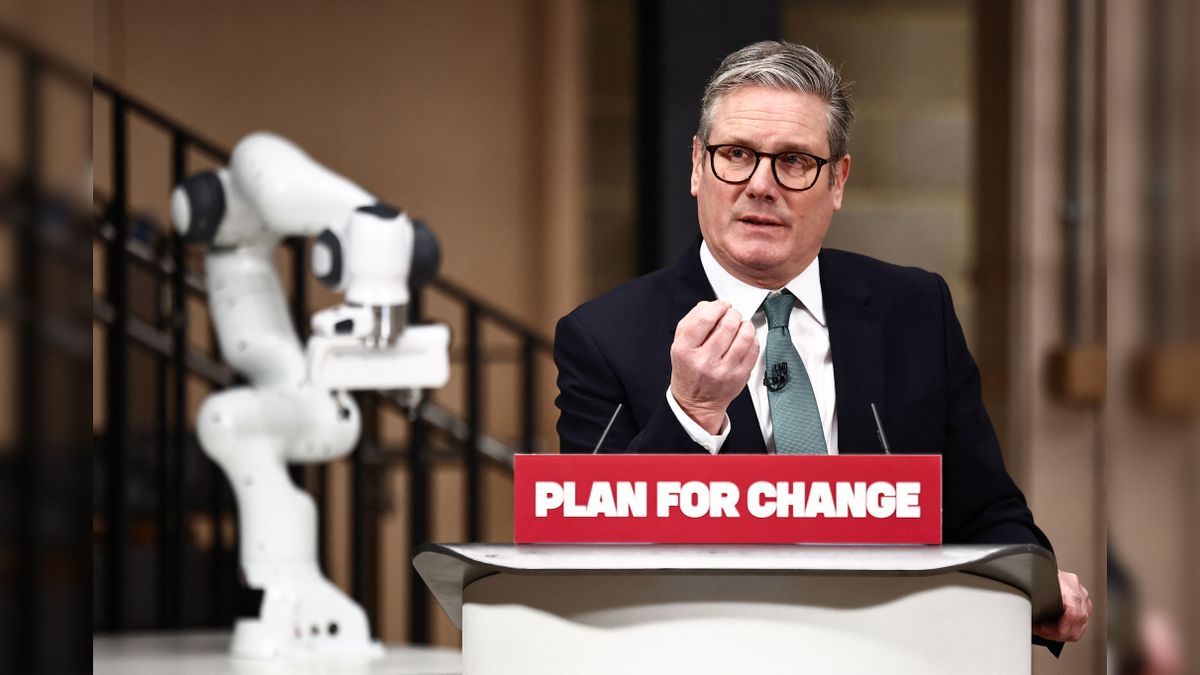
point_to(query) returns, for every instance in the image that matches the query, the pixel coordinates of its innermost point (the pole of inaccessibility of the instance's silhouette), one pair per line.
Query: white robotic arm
(295, 408)
(270, 189)
(365, 249)
(292, 193)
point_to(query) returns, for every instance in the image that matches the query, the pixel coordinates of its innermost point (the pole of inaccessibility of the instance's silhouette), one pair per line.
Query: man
(758, 340)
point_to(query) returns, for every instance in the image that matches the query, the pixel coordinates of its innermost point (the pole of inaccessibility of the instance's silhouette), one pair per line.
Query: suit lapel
(856, 344)
(691, 286)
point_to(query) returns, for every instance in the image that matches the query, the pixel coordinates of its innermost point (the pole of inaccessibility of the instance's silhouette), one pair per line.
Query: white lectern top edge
(449, 568)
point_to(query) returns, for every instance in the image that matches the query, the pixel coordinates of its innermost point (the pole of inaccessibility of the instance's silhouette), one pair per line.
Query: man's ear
(697, 164)
(841, 173)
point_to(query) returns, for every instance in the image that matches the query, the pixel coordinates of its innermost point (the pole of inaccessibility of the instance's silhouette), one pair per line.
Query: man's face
(761, 232)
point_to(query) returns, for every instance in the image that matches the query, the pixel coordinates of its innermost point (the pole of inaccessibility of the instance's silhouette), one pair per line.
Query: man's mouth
(761, 220)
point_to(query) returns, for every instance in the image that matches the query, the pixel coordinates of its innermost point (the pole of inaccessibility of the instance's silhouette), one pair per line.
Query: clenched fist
(711, 359)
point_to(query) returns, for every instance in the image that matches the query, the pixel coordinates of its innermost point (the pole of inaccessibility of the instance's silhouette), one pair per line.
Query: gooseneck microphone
(607, 428)
(879, 430)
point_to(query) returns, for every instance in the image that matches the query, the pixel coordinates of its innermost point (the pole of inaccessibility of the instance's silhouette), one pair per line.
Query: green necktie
(794, 415)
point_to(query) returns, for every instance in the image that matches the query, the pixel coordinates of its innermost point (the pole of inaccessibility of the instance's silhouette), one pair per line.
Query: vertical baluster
(474, 420)
(117, 361)
(166, 458)
(418, 512)
(359, 586)
(528, 389)
(29, 384)
(179, 344)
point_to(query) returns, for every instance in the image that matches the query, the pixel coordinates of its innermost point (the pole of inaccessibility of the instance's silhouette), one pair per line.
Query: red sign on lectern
(727, 499)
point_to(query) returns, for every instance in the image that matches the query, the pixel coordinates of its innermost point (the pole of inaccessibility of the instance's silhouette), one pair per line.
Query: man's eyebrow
(786, 147)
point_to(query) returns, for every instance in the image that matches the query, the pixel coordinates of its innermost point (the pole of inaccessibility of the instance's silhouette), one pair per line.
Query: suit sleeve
(589, 391)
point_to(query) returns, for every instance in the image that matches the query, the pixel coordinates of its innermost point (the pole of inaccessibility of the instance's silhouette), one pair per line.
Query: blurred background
(1040, 154)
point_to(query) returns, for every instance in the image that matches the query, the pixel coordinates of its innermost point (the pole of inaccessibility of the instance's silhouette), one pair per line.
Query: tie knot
(778, 307)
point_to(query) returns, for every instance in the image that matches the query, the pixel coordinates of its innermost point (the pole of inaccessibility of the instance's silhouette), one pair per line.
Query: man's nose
(762, 184)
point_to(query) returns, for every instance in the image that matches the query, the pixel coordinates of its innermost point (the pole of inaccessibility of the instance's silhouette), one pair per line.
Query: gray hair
(782, 65)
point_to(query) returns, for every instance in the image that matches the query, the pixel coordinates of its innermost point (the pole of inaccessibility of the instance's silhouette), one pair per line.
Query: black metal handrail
(165, 337)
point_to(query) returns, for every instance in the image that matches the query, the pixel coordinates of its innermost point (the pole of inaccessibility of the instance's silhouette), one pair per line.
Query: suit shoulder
(881, 276)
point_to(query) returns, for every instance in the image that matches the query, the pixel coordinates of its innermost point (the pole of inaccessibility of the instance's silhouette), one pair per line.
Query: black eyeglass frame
(712, 163)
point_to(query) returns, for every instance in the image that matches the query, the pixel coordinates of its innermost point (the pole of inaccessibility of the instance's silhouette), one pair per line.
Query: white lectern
(738, 609)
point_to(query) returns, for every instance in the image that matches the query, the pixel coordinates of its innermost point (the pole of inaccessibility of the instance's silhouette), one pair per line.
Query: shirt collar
(747, 299)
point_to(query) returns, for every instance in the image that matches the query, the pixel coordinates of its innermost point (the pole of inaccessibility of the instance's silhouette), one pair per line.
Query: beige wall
(612, 148)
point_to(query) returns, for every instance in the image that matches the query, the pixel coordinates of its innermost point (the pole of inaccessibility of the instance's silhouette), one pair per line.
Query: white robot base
(303, 615)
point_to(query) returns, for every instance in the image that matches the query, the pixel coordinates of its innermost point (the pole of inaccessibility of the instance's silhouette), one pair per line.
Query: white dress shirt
(810, 334)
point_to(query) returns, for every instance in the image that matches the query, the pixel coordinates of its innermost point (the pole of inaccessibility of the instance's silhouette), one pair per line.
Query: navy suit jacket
(895, 342)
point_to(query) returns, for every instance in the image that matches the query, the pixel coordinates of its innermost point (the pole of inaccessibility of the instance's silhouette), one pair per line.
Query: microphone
(777, 379)
(879, 430)
(607, 428)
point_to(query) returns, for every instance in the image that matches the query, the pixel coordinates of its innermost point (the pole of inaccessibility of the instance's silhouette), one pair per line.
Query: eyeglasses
(793, 170)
